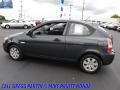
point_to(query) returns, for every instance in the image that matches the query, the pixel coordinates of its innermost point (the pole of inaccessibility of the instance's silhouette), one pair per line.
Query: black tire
(118, 30)
(25, 26)
(97, 63)
(7, 26)
(19, 52)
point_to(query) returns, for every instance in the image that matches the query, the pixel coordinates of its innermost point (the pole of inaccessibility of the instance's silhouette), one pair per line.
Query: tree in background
(115, 16)
(2, 18)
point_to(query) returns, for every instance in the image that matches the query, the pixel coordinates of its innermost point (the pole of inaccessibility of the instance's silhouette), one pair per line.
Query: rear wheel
(7, 26)
(118, 30)
(90, 63)
(15, 53)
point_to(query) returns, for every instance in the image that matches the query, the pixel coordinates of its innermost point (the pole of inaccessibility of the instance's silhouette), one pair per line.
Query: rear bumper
(108, 59)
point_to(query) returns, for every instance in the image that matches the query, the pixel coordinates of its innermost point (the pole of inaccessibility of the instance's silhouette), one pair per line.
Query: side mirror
(37, 33)
(29, 33)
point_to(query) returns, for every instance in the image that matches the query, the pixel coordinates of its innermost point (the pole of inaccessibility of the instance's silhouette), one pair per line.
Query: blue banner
(62, 1)
(6, 4)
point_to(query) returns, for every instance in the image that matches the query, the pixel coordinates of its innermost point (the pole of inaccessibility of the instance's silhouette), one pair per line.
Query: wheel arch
(25, 25)
(12, 43)
(91, 52)
(7, 25)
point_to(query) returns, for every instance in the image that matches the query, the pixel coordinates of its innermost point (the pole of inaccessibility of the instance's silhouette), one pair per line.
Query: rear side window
(79, 29)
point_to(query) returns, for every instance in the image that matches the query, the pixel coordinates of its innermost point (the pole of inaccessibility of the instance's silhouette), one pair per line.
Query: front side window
(51, 29)
(14, 21)
(21, 21)
(78, 29)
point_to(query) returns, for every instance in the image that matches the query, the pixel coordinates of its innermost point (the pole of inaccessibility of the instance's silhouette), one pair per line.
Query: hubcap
(7, 27)
(25, 27)
(14, 53)
(90, 64)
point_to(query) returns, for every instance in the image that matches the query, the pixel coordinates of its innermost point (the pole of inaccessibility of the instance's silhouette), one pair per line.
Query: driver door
(48, 40)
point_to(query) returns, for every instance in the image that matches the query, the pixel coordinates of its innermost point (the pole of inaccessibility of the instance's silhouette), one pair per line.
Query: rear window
(79, 29)
(105, 32)
(102, 29)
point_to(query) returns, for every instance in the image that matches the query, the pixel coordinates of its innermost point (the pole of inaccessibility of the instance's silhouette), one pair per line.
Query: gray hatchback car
(90, 46)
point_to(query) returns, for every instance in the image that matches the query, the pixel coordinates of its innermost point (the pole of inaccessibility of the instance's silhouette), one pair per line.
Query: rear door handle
(57, 39)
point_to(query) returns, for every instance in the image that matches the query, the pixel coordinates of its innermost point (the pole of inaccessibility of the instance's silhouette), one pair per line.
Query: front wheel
(7, 26)
(25, 26)
(15, 53)
(90, 63)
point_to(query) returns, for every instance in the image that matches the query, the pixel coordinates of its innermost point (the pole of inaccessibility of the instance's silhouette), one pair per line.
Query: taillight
(110, 45)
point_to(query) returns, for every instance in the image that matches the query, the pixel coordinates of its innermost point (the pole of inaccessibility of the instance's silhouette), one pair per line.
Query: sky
(50, 9)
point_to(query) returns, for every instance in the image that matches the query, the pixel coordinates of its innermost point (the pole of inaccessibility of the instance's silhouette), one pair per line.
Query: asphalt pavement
(34, 70)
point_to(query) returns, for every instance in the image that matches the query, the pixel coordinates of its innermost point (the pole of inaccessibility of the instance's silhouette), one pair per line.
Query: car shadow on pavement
(70, 65)
(65, 65)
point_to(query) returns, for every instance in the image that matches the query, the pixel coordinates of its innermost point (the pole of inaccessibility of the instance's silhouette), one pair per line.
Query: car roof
(72, 21)
(75, 21)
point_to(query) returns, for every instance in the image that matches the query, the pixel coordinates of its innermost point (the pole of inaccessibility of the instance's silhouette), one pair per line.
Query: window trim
(64, 32)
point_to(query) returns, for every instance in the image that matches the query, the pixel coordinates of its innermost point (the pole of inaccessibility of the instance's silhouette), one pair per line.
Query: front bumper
(2, 26)
(5, 46)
